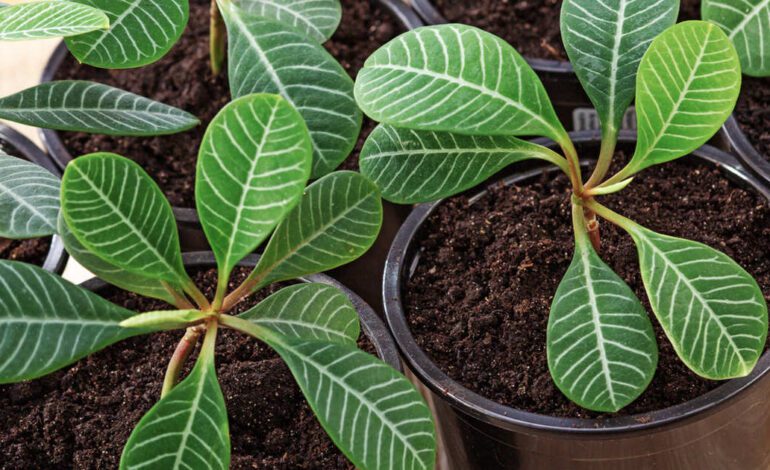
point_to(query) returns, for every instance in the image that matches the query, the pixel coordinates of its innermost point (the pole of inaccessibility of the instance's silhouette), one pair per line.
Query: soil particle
(32, 251)
(753, 113)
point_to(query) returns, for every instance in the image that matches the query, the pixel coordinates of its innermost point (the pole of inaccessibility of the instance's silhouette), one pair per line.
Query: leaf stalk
(179, 358)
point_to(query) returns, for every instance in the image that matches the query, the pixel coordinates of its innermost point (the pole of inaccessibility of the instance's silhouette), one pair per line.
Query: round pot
(728, 427)
(745, 151)
(17, 145)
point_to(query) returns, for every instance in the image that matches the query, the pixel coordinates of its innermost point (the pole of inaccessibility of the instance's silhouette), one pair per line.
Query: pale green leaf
(711, 309)
(29, 199)
(253, 166)
(140, 33)
(118, 213)
(605, 42)
(110, 273)
(456, 78)
(270, 57)
(165, 319)
(47, 323)
(747, 23)
(421, 166)
(187, 429)
(371, 412)
(49, 19)
(309, 312)
(688, 85)
(602, 351)
(81, 106)
(317, 19)
(336, 222)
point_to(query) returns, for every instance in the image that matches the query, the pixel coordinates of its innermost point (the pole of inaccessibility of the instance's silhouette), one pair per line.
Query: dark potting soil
(81, 417)
(479, 300)
(753, 113)
(531, 26)
(28, 251)
(183, 79)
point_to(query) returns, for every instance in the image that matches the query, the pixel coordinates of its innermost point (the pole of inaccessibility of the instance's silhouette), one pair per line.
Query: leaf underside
(49, 19)
(271, 57)
(81, 106)
(253, 166)
(317, 19)
(29, 199)
(747, 23)
(140, 33)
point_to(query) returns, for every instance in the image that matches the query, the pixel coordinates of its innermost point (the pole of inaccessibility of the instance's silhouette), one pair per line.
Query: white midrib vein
(130, 224)
(5, 189)
(481, 89)
(188, 427)
(295, 15)
(754, 12)
(695, 293)
(615, 58)
(595, 314)
(113, 25)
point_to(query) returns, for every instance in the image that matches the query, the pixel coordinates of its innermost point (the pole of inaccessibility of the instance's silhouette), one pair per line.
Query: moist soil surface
(753, 113)
(479, 300)
(531, 26)
(81, 417)
(183, 79)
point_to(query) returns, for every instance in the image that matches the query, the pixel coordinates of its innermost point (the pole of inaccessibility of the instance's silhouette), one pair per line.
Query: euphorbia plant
(452, 100)
(252, 172)
(747, 23)
(274, 47)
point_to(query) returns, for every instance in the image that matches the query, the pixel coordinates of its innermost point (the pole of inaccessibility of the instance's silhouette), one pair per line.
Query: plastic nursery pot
(745, 151)
(570, 100)
(728, 427)
(15, 144)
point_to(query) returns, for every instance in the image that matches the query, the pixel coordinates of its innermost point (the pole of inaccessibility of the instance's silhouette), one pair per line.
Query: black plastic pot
(745, 151)
(15, 144)
(726, 428)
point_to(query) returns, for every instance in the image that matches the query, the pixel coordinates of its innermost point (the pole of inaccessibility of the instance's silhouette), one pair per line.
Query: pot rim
(431, 16)
(488, 411)
(56, 259)
(373, 327)
(745, 150)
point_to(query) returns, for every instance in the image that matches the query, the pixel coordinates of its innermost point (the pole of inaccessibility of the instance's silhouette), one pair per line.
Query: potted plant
(452, 101)
(252, 170)
(21, 163)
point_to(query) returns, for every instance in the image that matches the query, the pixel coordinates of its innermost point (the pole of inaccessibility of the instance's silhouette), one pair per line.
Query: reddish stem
(178, 360)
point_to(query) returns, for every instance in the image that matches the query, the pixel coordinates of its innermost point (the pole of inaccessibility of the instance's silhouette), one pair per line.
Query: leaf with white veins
(747, 23)
(29, 199)
(49, 19)
(317, 19)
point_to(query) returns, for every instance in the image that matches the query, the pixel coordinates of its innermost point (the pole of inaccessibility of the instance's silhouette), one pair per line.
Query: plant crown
(452, 101)
(253, 168)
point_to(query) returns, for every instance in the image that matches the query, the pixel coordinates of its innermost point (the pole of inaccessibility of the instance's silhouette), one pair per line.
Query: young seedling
(252, 172)
(452, 100)
(747, 23)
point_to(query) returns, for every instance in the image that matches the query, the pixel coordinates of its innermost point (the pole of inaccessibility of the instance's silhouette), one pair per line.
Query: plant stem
(217, 39)
(178, 360)
(192, 290)
(251, 329)
(243, 290)
(573, 163)
(612, 216)
(219, 297)
(607, 152)
(180, 301)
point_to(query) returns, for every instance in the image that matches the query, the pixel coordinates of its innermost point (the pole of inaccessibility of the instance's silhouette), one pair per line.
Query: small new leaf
(412, 166)
(29, 199)
(47, 323)
(81, 106)
(456, 78)
(747, 24)
(140, 33)
(165, 320)
(309, 312)
(317, 19)
(49, 19)
(253, 166)
(711, 309)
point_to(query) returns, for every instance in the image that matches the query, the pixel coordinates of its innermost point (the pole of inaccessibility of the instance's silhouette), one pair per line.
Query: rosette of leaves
(453, 101)
(252, 176)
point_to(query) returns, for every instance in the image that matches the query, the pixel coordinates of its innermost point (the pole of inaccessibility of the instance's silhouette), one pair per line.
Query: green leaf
(336, 222)
(688, 85)
(118, 213)
(165, 320)
(421, 166)
(140, 33)
(81, 106)
(47, 323)
(317, 19)
(602, 352)
(371, 412)
(253, 166)
(605, 42)
(711, 309)
(49, 19)
(310, 312)
(187, 428)
(747, 22)
(456, 78)
(270, 57)
(29, 199)
(109, 272)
